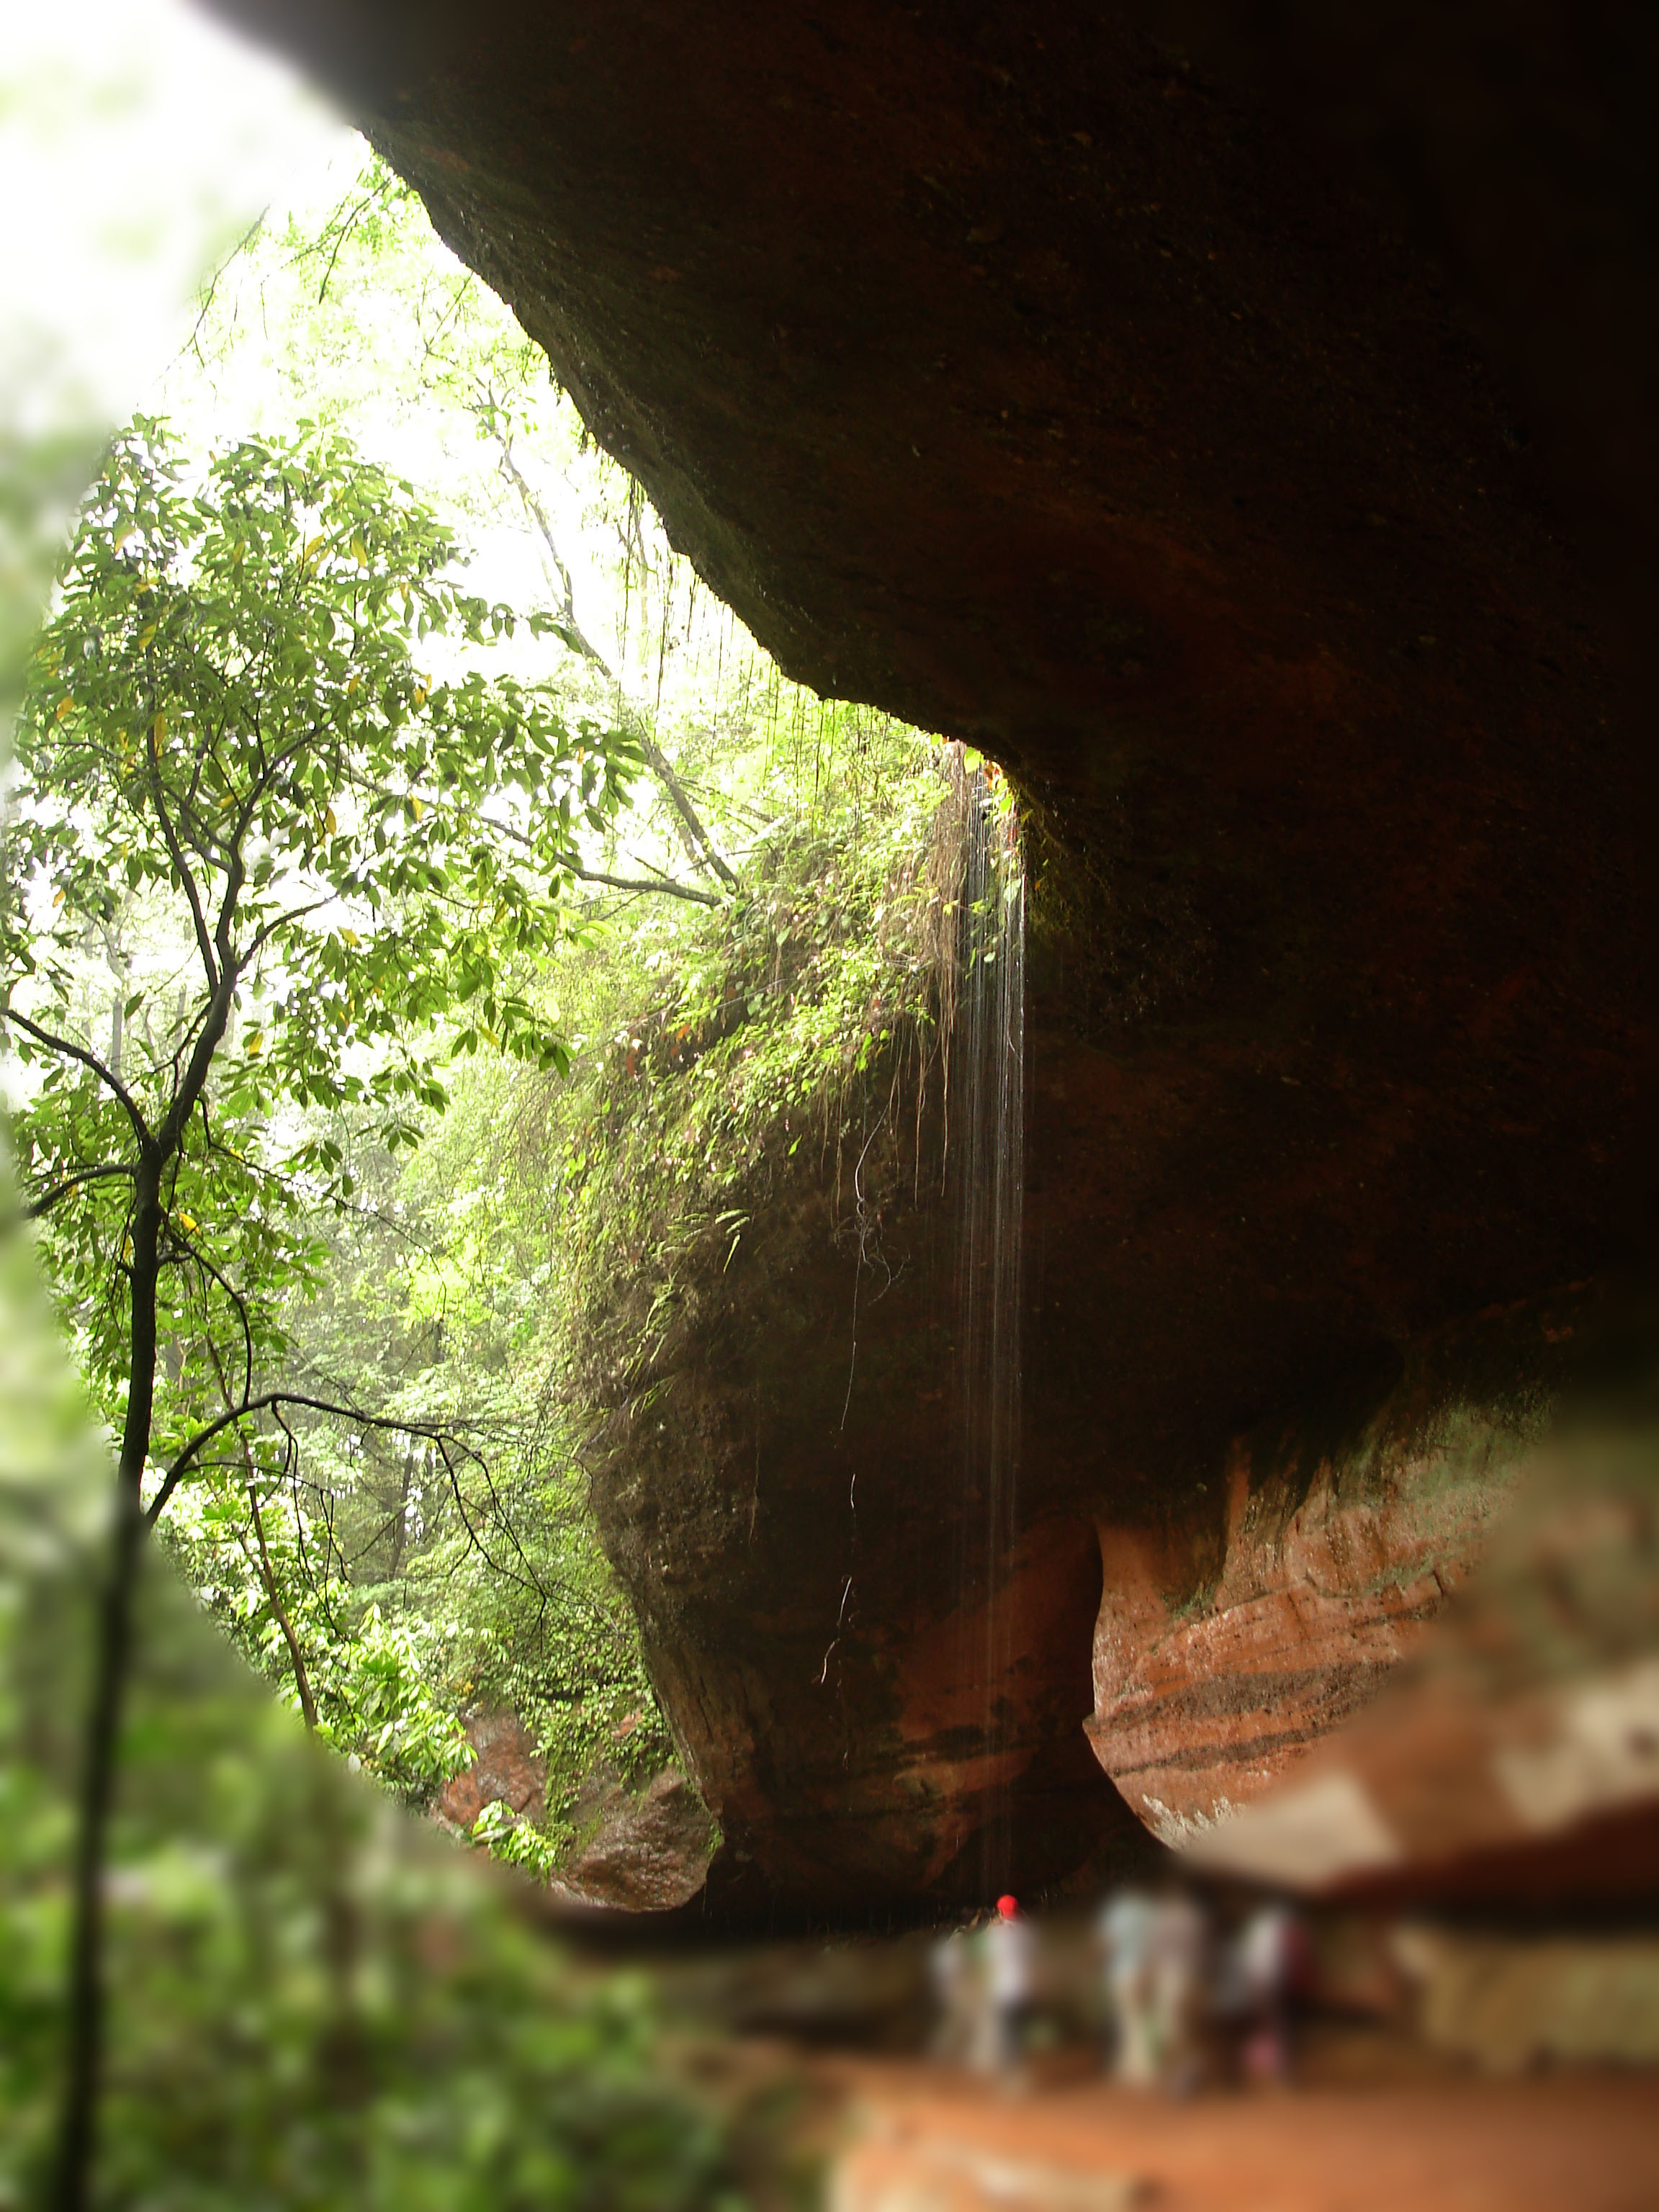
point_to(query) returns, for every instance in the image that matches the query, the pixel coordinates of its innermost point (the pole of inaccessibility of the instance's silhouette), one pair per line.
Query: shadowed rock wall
(782, 1491)
(1166, 420)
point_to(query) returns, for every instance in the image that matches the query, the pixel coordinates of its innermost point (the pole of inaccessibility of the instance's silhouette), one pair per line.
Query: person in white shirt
(955, 1997)
(1125, 1930)
(1009, 1945)
(1178, 1956)
(1271, 1961)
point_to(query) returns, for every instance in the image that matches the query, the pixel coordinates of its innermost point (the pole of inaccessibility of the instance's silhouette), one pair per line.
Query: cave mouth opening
(271, 336)
(1435, 1173)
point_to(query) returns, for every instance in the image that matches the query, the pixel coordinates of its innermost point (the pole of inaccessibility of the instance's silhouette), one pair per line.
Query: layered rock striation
(1220, 1662)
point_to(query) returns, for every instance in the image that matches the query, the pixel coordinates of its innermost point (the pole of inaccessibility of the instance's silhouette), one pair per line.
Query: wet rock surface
(646, 1851)
(506, 1769)
(782, 1494)
(1039, 380)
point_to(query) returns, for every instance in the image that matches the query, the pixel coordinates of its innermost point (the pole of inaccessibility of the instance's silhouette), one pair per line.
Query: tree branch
(262, 935)
(475, 1539)
(176, 854)
(698, 843)
(345, 229)
(235, 876)
(263, 1565)
(291, 1476)
(215, 1019)
(37, 1207)
(193, 342)
(574, 637)
(666, 885)
(54, 1043)
(267, 1401)
(239, 1305)
(267, 1574)
(215, 1015)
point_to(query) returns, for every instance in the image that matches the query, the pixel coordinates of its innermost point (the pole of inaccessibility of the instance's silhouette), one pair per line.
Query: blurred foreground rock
(1511, 2006)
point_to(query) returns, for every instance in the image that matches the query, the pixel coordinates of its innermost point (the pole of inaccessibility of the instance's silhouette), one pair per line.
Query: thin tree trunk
(84, 2028)
(274, 1598)
(698, 844)
(261, 1561)
(400, 1526)
(700, 847)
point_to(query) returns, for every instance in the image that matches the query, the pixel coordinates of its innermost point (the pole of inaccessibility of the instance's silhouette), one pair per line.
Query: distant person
(1271, 1967)
(956, 1998)
(1009, 1945)
(1125, 1932)
(1178, 1947)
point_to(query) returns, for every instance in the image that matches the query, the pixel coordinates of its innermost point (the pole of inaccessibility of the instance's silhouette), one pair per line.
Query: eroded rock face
(506, 1769)
(1223, 1653)
(1516, 1756)
(788, 1515)
(782, 1494)
(1033, 379)
(647, 1851)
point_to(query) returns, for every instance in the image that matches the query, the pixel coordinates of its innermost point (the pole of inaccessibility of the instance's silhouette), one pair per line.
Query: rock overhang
(1014, 370)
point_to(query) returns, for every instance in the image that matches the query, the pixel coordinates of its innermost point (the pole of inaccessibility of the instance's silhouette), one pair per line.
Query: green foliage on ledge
(749, 1038)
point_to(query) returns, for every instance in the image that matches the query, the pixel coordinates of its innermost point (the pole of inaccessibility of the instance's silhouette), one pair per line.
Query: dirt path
(924, 2142)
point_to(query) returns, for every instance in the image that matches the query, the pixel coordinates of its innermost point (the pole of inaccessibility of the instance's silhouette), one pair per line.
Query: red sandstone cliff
(1167, 421)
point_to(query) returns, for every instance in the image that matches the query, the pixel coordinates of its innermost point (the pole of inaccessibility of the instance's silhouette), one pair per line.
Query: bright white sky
(137, 143)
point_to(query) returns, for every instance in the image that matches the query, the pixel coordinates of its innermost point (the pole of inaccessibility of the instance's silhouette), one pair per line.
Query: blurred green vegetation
(315, 2003)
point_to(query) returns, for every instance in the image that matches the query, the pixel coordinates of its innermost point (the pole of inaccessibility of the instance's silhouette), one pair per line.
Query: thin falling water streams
(986, 1137)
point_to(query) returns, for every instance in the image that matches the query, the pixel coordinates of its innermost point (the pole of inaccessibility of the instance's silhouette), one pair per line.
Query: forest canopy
(424, 907)
(391, 966)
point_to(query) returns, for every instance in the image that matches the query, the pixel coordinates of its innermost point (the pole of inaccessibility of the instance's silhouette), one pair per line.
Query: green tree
(230, 748)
